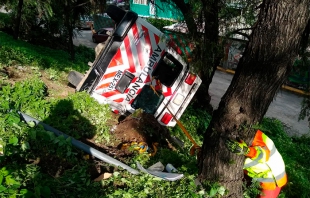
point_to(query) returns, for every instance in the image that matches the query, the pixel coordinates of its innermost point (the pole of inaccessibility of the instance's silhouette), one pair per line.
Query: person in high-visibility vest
(263, 163)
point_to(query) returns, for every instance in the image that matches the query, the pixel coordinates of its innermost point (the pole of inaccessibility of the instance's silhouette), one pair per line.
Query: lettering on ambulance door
(124, 82)
(167, 70)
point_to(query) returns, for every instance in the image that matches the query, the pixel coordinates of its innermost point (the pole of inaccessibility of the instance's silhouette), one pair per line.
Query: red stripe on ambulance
(138, 35)
(168, 92)
(132, 68)
(117, 60)
(119, 100)
(109, 75)
(110, 93)
(156, 38)
(102, 86)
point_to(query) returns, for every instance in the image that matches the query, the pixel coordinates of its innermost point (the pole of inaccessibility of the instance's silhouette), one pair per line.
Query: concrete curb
(292, 89)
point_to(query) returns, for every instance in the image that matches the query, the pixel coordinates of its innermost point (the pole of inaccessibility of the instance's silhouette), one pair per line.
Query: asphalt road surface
(285, 107)
(84, 38)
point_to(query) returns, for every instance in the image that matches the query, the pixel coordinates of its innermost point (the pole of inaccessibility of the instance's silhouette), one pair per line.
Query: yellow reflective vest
(264, 163)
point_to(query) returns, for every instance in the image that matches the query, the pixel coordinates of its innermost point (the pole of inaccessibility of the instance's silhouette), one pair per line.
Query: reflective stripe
(255, 161)
(261, 154)
(273, 150)
(270, 183)
(252, 163)
(265, 179)
(278, 177)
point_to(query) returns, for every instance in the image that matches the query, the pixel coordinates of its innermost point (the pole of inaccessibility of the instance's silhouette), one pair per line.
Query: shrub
(159, 23)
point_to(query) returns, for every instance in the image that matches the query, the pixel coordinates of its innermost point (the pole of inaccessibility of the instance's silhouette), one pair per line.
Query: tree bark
(18, 19)
(69, 26)
(188, 16)
(210, 52)
(265, 65)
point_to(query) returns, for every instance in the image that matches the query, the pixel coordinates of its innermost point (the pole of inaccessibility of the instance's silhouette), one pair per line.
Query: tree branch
(238, 31)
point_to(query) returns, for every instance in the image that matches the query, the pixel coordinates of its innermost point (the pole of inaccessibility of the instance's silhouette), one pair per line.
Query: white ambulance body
(138, 69)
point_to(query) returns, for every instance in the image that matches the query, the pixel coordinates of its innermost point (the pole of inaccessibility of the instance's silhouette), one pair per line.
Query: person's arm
(259, 152)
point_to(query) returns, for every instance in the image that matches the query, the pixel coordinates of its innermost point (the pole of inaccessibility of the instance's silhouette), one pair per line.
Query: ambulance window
(167, 70)
(124, 82)
(148, 100)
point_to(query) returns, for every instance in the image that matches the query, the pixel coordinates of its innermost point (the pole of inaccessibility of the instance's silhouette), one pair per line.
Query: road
(84, 38)
(285, 107)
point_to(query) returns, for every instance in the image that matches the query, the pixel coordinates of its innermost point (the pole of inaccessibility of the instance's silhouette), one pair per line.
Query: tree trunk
(265, 65)
(71, 45)
(210, 52)
(207, 56)
(69, 26)
(188, 16)
(18, 19)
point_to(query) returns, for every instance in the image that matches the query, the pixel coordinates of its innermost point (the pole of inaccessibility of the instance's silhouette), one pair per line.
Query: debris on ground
(160, 174)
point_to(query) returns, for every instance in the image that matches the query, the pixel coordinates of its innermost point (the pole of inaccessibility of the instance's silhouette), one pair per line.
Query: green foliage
(239, 11)
(159, 23)
(12, 182)
(19, 52)
(79, 115)
(147, 186)
(26, 95)
(21, 143)
(5, 21)
(84, 54)
(252, 190)
(196, 122)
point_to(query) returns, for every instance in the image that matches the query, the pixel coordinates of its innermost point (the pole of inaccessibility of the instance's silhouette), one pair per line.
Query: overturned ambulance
(139, 69)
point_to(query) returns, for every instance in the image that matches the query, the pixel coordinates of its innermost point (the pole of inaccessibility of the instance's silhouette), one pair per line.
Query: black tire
(116, 13)
(75, 78)
(94, 40)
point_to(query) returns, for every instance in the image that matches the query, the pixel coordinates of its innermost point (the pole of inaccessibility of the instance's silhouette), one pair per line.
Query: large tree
(265, 65)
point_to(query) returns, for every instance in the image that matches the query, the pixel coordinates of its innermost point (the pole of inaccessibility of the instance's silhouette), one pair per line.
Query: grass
(13, 52)
(23, 145)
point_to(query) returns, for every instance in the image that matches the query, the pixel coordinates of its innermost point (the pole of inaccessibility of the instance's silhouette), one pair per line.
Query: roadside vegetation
(29, 154)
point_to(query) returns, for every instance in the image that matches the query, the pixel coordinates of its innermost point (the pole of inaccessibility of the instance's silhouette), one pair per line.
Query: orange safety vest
(264, 163)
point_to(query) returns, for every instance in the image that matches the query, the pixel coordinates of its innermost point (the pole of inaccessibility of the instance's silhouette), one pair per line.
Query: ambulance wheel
(94, 40)
(116, 13)
(75, 78)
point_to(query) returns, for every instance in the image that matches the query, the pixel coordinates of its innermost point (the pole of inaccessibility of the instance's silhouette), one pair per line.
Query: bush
(159, 23)
(6, 23)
